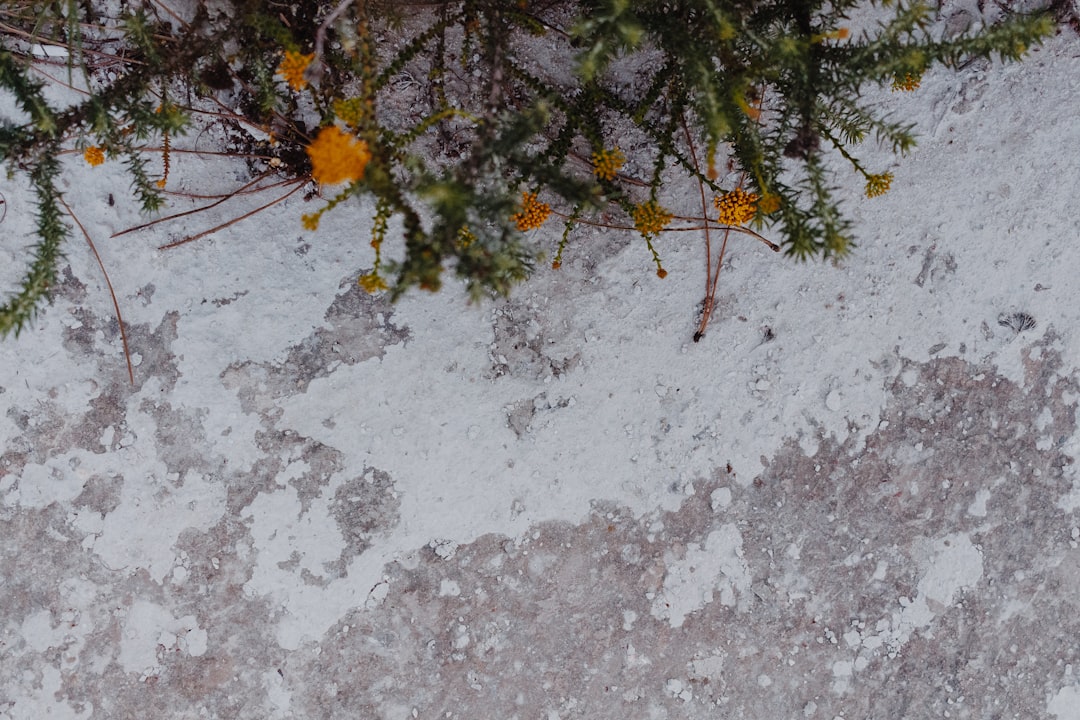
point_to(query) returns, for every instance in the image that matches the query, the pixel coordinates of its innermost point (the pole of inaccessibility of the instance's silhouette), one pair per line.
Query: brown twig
(710, 283)
(112, 294)
(690, 228)
(222, 198)
(712, 277)
(316, 68)
(168, 246)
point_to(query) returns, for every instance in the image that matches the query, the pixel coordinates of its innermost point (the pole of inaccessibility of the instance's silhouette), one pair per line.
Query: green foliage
(52, 233)
(508, 96)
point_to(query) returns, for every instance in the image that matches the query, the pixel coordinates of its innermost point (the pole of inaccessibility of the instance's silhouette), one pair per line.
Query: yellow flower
(878, 184)
(736, 207)
(337, 156)
(372, 282)
(650, 217)
(94, 156)
(533, 212)
(350, 112)
(292, 68)
(907, 83)
(465, 238)
(837, 34)
(606, 163)
(768, 204)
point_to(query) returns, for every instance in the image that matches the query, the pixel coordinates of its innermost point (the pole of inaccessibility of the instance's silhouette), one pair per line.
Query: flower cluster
(837, 34)
(736, 207)
(907, 83)
(650, 217)
(350, 111)
(94, 156)
(465, 238)
(292, 68)
(768, 203)
(878, 184)
(533, 212)
(337, 156)
(372, 282)
(607, 163)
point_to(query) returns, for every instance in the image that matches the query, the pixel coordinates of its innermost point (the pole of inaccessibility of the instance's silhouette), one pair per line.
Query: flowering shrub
(766, 89)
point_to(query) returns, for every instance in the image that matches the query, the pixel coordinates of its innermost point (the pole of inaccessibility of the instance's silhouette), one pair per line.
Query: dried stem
(222, 226)
(108, 282)
(240, 191)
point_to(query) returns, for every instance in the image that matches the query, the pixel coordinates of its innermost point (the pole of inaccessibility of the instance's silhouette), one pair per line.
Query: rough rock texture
(855, 498)
(926, 569)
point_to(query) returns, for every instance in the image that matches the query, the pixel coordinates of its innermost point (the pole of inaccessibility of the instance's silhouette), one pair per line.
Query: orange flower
(907, 83)
(878, 184)
(351, 111)
(736, 207)
(650, 217)
(768, 204)
(606, 163)
(292, 68)
(533, 212)
(337, 156)
(837, 34)
(465, 238)
(372, 282)
(94, 156)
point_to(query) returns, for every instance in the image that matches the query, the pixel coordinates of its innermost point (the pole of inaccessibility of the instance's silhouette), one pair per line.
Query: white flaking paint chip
(1065, 705)
(957, 565)
(147, 626)
(43, 485)
(142, 530)
(978, 505)
(1070, 501)
(720, 498)
(690, 583)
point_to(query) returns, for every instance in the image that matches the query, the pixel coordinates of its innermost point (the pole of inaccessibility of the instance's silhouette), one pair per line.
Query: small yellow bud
(94, 156)
(907, 83)
(650, 217)
(372, 282)
(768, 204)
(292, 68)
(351, 111)
(878, 184)
(837, 34)
(606, 163)
(465, 238)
